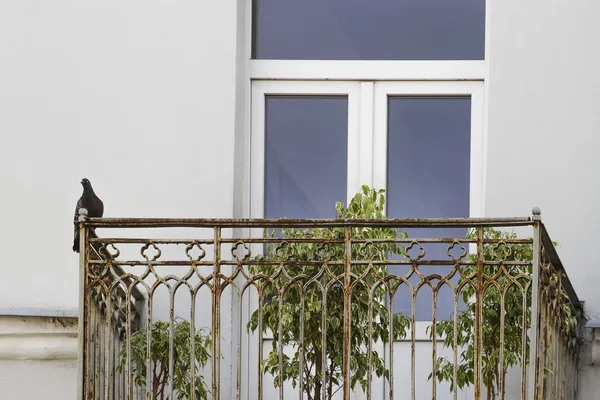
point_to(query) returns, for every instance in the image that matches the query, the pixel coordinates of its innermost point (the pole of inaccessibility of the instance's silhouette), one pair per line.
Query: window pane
(369, 29)
(306, 155)
(428, 176)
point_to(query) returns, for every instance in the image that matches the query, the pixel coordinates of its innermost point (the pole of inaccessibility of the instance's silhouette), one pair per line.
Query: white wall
(38, 357)
(137, 96)
(544, 126)
(141, 98)
(51, 380)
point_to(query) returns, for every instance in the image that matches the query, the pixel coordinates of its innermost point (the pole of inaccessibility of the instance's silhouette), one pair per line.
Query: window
(388, 93)
(416, 139)
(428, 175)
(305, 155)
(304, 145)
(369, 29)
(314, 143)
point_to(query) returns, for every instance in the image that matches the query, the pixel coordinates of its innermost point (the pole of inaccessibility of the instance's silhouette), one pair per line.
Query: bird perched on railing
(91, 203)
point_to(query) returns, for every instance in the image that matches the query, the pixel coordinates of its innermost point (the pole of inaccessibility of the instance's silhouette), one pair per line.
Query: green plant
(512, 282)
(290, 285)
(159, 362)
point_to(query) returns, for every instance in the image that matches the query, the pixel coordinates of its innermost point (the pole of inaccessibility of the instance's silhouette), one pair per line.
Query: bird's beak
(81, 182)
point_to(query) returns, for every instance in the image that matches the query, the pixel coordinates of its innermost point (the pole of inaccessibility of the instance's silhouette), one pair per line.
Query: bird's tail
(76, 242)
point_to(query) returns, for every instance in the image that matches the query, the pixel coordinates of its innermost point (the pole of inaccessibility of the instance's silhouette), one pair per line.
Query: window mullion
(379, 160)
(354, 139)
(365, 160)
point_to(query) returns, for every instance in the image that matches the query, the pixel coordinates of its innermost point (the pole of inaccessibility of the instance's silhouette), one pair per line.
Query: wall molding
(26, 337)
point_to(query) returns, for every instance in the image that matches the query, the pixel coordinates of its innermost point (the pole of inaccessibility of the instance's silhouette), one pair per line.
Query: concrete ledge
(594, 325)
(38, 338)
(40, 312)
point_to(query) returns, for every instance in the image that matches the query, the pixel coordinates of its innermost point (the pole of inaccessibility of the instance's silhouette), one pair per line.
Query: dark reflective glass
(369, 29)
(305, 155)
(428, 177)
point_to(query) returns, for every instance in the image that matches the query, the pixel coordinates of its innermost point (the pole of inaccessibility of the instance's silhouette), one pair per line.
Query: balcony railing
(323, 309)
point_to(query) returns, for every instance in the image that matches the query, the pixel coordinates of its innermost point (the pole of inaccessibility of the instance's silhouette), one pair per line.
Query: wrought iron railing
(108, 313)
(411, 308)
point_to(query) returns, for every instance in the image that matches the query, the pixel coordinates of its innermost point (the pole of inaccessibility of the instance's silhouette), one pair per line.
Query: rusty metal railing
(106, 316)
(325, 309)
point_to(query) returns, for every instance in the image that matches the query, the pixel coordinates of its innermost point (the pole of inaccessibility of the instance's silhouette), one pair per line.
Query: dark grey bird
(91, 203)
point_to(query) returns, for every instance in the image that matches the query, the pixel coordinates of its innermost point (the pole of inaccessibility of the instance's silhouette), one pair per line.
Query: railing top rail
(304, 223)
(557, 263)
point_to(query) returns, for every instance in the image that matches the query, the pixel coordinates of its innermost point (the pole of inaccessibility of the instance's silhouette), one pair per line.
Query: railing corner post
(82, 320)
(534, 365)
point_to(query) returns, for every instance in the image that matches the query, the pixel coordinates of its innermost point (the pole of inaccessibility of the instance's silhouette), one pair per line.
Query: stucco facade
(150, 101)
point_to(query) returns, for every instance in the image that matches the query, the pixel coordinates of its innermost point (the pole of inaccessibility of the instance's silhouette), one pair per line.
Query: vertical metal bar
(193, 345)
(301, 358)
(149, 375)
(111, 359)
(524, 330)
(557, 352)
(434, 343)
(502, 313)
(102, 350)
(107, 343)
(324, 346)
(561, 337)
(413, 339)
(347, 312)
(97, 342)
(391, 344)
(128, 333)
(260, 344)
(118, 390)
(171, 340)
(552, 377)
(534, 331)
(239, 348)
(544, 336)
(455, 344)
(82, 337)
(280, 344)
(561, 366)
(216, 316)
(369, 344)
(477, 362)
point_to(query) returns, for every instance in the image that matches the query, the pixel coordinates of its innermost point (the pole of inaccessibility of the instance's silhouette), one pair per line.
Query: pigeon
(91, 203)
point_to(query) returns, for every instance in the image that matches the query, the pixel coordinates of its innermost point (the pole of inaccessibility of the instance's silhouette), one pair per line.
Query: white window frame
(474, 90)
(262, 89)
(367, 130)
(367, 148)
(366, 72)
(371, 82)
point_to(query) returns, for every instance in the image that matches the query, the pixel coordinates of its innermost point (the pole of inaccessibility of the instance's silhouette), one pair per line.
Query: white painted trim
(453, 88)
(38, 338)
(243, 59)
(365, 157)
(478, 154)
(261, 89)
(366, 70)
(486, 102)
(257, 152)
(247, 107)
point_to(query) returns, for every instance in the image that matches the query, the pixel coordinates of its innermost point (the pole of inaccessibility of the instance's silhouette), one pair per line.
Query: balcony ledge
(34, 337)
